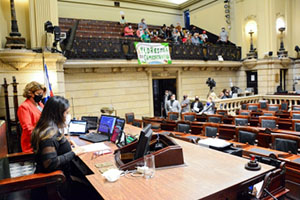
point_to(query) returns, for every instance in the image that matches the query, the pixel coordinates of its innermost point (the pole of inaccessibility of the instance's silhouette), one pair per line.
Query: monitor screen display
(106, 124)
(77, 126)
(118, 129)
(144, 141)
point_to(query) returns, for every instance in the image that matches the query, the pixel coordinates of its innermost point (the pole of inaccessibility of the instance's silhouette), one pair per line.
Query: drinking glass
(150, 166)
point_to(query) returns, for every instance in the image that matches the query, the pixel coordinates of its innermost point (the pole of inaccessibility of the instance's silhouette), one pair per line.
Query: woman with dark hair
(53, 151)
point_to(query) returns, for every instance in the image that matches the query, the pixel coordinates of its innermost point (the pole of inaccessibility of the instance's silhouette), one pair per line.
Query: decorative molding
(250, 17)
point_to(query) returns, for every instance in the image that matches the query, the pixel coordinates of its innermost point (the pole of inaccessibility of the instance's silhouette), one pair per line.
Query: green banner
(153, 53)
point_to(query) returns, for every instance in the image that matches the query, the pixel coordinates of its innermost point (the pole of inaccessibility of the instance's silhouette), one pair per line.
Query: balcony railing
(101, 48)
(234, 104)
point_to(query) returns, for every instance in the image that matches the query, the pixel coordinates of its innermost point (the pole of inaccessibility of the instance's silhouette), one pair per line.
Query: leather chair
(196, 128)
(210, 129)
(274, 107)
(222, 112)
(20, 187)
(173, 115)
(268, 113)
(129, 117)
(296, 125)
(244, 106)
(296, 108)
(241, 120)
(245, 112)
(189, 116)
(246, 134)
(252, 106)
(183, 126)
(295, 114)
(263, 104)
(284, 105)
(215, 118)
(268, 122)
(285, 142)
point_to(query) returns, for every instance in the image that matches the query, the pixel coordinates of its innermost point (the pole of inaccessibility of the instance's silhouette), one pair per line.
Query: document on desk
(214, 142)
(100, 146)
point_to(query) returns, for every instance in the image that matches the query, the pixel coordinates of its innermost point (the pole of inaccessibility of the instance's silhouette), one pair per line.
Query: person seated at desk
(196, 106)
(29, 112)
(53, 151)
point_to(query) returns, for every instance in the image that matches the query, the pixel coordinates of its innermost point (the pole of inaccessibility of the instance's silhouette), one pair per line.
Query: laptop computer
(105, 130)
(92, 122)
(77, 127)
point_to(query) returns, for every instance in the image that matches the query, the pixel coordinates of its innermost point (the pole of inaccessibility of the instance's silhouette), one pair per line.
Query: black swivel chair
(285, 142)
(241, 120)
(215, 118)
(263, 104)
(183, 126)
(173, 115)
(274, 108)
(211, 129)
(268, 122)
(246, 135)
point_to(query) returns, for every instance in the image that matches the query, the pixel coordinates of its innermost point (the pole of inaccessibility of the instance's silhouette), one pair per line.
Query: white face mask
(130, 27)
(68, 120)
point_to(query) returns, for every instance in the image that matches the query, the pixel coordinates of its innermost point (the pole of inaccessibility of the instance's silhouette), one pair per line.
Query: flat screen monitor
(107, 124)
(77, 127)
(91, 122)
(144, 141)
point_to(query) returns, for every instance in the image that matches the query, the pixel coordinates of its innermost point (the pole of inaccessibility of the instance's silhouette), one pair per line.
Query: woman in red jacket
(29, 112)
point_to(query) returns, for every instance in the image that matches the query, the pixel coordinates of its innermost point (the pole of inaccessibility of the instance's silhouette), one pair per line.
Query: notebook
(77, 127)
(105, 130)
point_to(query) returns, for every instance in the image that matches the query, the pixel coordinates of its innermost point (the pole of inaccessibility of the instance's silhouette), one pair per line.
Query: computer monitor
(91, 122)
(77, 127)
(144, 141)
(106, 124)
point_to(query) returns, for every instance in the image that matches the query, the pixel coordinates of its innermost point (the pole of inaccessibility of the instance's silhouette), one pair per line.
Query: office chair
(284, 105)
(16, 181)
(268, 122)
(263, 104)
(241, 120)
(211, 129)
(296, 108)
(222, 112)
(296, 125)
(129, 117)
(189, 116)
(252, 106)
(173, 115)
(215, 118)
(274, 107)
(245, 112)
(268, 113)
(183, 126)
(246, 134)
(285, 142)
(295, 114)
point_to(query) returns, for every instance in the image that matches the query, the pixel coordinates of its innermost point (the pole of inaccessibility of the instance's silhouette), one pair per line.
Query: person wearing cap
(185, 104)
(204, 37)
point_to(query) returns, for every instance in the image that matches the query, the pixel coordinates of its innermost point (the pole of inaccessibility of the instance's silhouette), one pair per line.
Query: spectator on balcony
(128, 31)
(223, 38)
(195, 39)
(146, 36)
(123, 20)
(196, 105)
(143, 24)
(140, 31)
(154, 35)
(175, 35)
(179, 28)
(163, 33)
(185, 104)
(204, 37)
(194, 30)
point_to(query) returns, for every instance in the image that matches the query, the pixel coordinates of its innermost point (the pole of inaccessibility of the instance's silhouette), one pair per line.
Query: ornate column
(15, 41)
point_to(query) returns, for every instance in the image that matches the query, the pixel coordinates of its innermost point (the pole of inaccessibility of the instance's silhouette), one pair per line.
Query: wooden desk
(209, 174)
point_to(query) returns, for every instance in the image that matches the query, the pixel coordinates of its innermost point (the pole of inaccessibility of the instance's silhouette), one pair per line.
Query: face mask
(197, 99)
(207, 104)
(68, 119)
(130, 27)
(144, 22)
(123, 17)
(37, 98)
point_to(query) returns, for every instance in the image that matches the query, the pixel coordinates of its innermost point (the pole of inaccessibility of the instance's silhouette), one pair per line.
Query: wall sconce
(280, 26)
(251, 29)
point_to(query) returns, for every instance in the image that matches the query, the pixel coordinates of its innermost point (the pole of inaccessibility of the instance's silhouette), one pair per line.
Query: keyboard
(94, 137)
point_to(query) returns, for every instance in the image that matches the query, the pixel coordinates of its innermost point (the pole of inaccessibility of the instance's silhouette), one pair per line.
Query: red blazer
(28, 115)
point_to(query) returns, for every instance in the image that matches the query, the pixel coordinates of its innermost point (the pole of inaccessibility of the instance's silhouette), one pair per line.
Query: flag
(49, 92)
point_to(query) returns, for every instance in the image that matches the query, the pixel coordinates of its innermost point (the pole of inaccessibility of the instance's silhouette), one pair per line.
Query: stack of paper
(99, 147)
